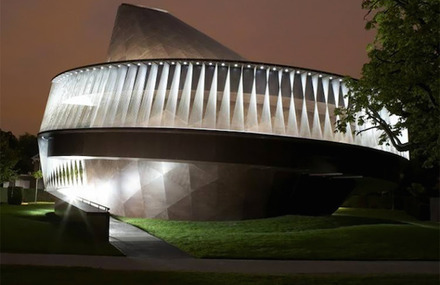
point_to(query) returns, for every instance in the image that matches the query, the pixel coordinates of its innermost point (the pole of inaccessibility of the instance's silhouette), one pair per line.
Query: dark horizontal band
(296, 154)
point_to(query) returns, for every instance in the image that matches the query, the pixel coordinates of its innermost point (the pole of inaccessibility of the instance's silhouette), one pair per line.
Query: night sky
(41, 38)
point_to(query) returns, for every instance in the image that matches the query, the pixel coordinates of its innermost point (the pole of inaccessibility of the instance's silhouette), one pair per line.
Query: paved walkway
(133, 242)
(146, 252)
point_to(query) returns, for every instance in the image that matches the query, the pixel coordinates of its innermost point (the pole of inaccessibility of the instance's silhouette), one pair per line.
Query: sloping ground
(34, 228)
(349, 234)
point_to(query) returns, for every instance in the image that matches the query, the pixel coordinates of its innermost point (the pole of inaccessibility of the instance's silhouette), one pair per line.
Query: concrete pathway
(133, 242)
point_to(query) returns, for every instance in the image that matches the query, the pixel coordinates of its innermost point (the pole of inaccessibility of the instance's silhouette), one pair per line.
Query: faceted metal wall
(167, 190)
(205, 174)
(203, 95)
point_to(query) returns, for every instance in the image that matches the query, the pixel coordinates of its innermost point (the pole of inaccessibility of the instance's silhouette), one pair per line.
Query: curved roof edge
(205, 60)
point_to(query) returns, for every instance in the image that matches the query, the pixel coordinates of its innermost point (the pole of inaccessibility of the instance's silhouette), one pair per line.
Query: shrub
(15, 195)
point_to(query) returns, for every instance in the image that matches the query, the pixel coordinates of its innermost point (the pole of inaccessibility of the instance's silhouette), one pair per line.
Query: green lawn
(75, 275)
(34, 228)
(396, 215)
(348, 234)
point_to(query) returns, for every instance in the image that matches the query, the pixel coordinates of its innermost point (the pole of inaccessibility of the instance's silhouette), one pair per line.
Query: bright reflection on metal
(299, 103)
(70, 193)
(79, 100)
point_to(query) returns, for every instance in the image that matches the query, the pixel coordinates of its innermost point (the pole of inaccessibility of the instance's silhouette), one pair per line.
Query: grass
(34, 228)
(395, 215)
(352, 234)
(76, 275)
(349, 234)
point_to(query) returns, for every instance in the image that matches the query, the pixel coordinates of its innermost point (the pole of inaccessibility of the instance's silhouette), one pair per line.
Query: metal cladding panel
(215, 95)
(144, 33)
(207, 175)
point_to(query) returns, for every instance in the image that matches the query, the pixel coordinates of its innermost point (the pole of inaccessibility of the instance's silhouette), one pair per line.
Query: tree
(16, 154)
(27, 148)
(37, 175)
(8, 156)
(402, 77)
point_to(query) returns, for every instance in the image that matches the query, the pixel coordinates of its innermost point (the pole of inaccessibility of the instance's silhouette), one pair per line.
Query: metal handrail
(93, 204)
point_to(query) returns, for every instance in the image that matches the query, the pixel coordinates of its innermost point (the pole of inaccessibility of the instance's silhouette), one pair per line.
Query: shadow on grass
(64, 229)
(50, 217)
(37, 229)
(349, 220)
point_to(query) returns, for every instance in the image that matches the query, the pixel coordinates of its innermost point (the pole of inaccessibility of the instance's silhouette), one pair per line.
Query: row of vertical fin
(202, 95)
